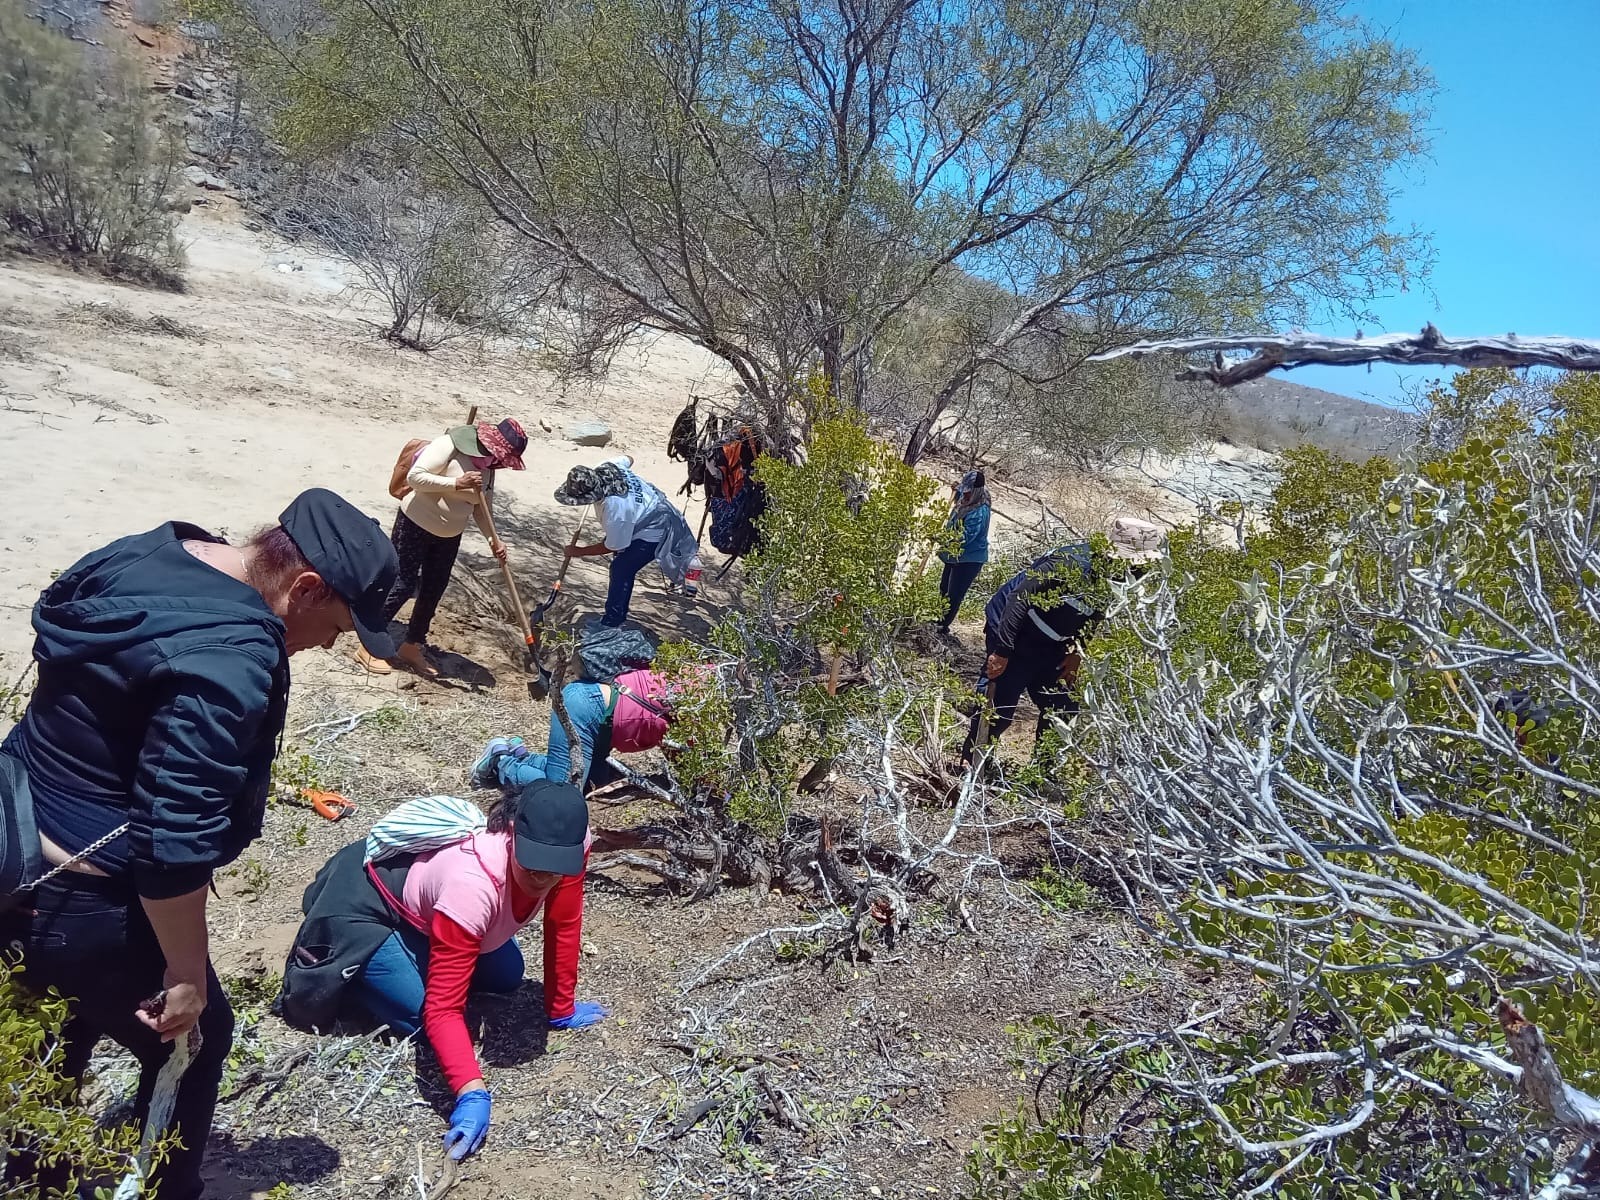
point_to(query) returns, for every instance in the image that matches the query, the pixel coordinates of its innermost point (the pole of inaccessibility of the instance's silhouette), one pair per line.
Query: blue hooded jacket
(974, 527)
(163, 690)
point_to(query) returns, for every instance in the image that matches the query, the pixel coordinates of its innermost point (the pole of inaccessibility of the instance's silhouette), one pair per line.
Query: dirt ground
(128, 407)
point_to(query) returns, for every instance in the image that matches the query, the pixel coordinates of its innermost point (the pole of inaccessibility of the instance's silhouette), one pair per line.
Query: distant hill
(1274, 414)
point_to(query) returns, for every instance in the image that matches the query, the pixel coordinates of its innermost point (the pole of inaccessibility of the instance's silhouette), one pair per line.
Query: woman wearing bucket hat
(1034, 627)
(638, 524)
(144, 760)
(451, 480)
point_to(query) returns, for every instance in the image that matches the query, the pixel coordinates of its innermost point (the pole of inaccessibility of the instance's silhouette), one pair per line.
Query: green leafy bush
(834, 584)
(84, 168)
(40, 1115)
(1350, 762)
(842, 534)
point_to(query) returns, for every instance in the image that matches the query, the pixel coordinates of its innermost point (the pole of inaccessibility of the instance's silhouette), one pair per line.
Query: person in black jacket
(1035, 625)
(147, 745)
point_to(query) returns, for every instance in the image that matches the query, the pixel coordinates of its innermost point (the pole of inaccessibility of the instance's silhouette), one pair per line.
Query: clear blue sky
(1512, 192)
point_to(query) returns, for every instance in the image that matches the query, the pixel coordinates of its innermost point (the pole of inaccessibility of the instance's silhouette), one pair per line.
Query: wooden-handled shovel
(518, 612)
(539, 687)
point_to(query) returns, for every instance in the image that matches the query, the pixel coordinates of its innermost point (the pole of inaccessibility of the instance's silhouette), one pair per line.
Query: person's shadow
(510, 1025)
(458, 669)
(235, 1170)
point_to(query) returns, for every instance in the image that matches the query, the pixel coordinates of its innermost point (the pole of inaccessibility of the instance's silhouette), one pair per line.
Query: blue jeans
(393, 982)
(586, 705)
(625, 565)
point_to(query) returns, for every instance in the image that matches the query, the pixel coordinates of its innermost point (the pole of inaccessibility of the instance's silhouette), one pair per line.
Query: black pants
(1034, 667)
(954, 584)
(426, 560)
(90, 940)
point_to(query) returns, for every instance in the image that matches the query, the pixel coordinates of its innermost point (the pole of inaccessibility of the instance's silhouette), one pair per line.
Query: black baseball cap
(349, 550)
(552, 828)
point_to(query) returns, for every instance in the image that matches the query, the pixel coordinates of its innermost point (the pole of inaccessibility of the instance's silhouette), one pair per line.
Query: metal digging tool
(539, 685)
(981, 742)
(162, 1099)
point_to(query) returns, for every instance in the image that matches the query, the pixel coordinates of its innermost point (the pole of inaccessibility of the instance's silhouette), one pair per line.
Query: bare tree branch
(1291, 350)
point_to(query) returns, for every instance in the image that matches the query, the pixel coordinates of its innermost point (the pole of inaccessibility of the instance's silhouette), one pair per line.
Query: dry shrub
(85, 169)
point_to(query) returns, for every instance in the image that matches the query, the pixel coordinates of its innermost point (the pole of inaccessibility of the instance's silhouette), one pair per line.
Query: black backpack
(604, 652)
(733, 521)
(681, 442)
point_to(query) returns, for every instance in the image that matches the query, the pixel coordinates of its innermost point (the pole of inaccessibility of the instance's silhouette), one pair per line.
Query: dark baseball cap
(552, 828)
(349, 550)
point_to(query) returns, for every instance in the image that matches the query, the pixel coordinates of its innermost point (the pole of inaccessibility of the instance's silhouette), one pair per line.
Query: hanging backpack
(735, 498)
(398, 487)
(425, 823)
(696, 456)
(733, 522)
(681, 441)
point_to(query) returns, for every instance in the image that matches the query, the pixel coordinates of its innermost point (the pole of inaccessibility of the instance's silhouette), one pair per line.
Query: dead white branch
(1541, 1077)
(1428, 348)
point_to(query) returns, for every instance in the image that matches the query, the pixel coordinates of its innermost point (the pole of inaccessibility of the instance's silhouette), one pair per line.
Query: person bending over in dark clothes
(145, 755)
(1035, 626)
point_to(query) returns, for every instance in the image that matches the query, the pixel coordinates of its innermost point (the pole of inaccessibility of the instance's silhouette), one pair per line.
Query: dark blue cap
(349, 550)
(552, 828)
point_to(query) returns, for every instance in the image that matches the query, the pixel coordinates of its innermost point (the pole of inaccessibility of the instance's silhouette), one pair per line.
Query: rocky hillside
(1274, 414)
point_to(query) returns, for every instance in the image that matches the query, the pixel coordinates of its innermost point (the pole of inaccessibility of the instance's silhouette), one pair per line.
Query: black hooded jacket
(163, 689)
(1037, 602)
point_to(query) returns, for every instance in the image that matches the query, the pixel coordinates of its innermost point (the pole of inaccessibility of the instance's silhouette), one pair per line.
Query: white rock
(200, 177)
(590, 433)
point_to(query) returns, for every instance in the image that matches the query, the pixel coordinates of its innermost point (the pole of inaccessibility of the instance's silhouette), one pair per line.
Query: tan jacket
(434, 503)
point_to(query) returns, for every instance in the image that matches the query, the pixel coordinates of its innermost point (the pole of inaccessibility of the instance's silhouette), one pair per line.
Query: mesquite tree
(1367, 783)
(798, 185)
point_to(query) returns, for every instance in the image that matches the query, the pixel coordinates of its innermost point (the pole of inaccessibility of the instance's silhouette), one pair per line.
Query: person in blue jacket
(970, 518)
(147, 750)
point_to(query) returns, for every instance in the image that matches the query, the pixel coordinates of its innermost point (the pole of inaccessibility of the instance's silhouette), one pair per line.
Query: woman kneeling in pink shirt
(460, 909)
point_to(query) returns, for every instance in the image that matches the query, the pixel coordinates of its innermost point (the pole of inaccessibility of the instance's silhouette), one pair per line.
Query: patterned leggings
(425, 563)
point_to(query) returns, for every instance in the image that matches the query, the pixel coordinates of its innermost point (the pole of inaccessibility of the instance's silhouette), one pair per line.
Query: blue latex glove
(469, 1124)
(583, 1014)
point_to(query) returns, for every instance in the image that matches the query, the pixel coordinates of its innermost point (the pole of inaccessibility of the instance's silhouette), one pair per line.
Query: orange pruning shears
(330, 805)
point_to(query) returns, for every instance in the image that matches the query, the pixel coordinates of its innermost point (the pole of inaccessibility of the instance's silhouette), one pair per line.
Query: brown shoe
(412, 656)
(373, 664)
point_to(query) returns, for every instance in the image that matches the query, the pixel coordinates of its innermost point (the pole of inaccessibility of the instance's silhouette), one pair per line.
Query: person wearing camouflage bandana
(639, 525)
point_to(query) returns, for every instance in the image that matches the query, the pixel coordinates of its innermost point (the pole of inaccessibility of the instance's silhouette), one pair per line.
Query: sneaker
(486, 772)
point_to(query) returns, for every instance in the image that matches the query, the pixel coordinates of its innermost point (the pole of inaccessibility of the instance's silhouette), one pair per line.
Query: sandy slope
(286, 388)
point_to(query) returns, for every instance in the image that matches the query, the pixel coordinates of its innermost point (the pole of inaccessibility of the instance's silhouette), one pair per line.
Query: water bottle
(691, 579)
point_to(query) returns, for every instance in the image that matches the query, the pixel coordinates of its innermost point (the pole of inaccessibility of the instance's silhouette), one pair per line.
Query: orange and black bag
(398, 487)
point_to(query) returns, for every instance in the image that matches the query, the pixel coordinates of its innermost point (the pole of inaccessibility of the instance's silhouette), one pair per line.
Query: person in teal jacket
(969, 517)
